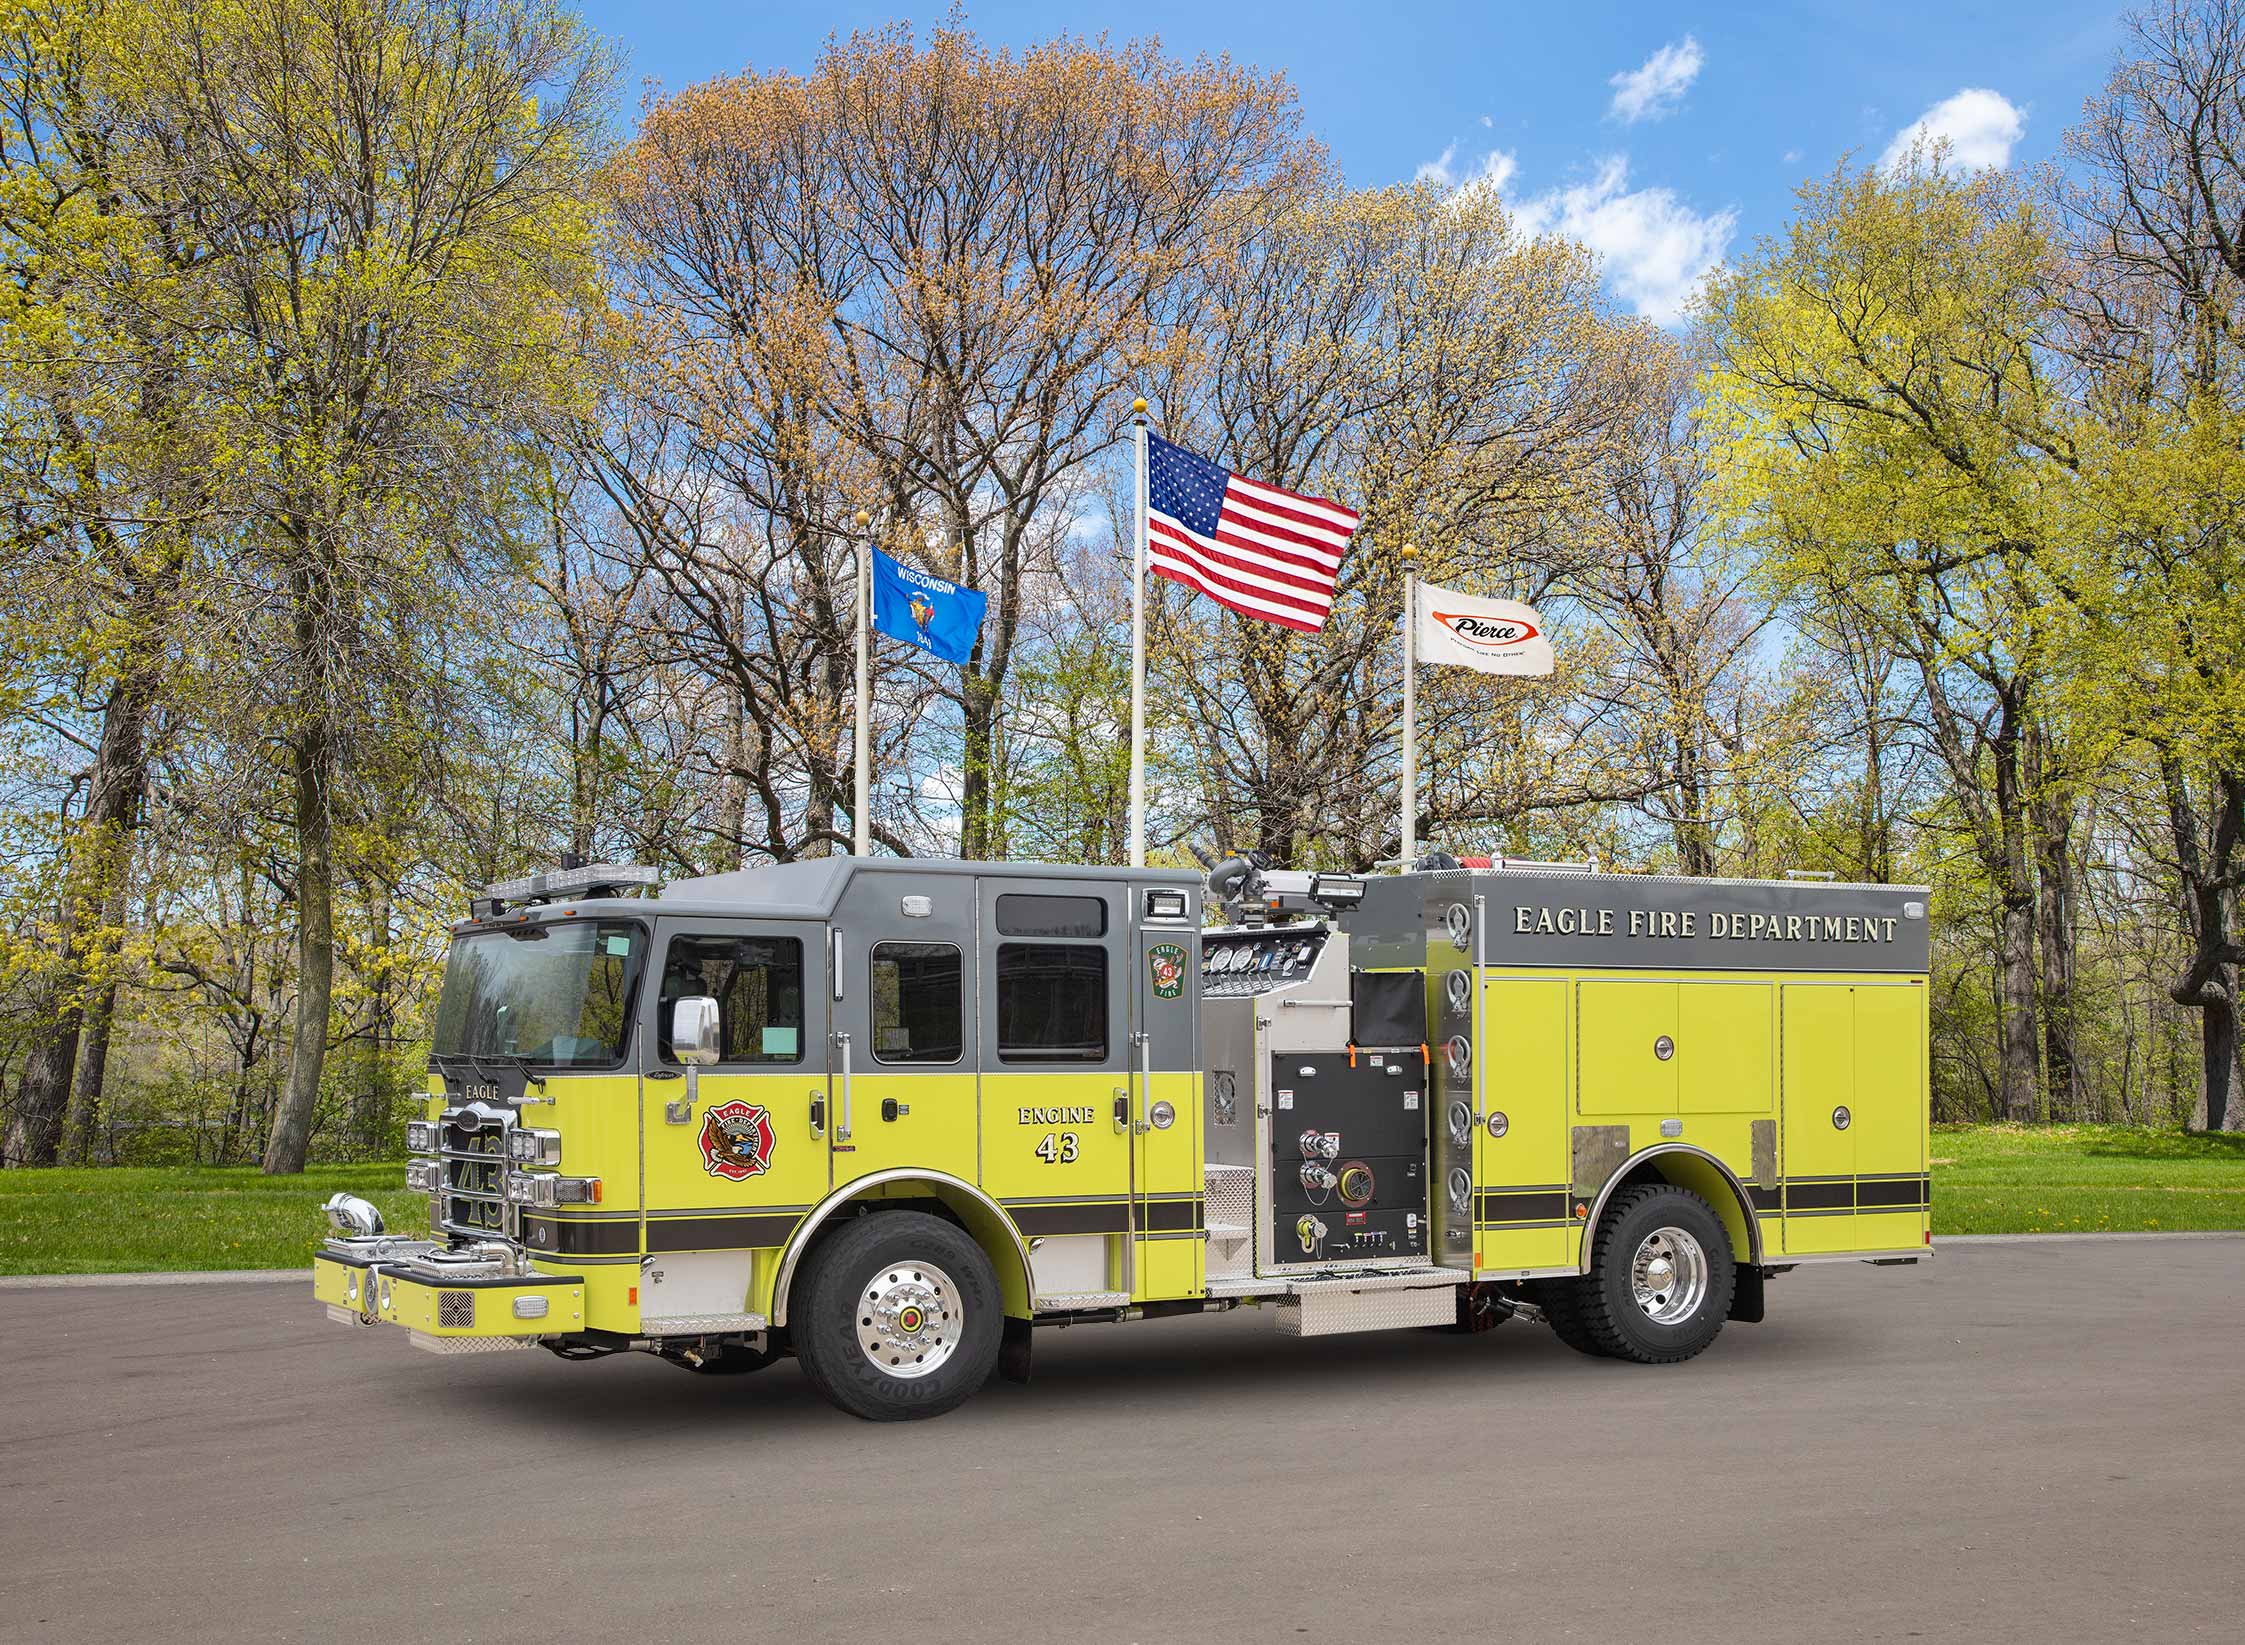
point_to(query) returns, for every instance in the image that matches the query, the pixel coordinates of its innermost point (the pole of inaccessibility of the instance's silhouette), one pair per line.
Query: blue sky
(1666, 136)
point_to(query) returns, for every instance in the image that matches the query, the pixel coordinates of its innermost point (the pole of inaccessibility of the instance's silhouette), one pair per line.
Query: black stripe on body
(1544, 1205)
(720, 1233)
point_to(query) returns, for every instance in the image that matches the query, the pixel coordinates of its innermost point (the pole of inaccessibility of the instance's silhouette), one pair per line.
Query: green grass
(132, 1219)
(2020, 1179)
(1987, 1179)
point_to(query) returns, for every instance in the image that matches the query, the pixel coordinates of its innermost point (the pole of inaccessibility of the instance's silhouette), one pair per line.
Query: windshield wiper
(520, 1064)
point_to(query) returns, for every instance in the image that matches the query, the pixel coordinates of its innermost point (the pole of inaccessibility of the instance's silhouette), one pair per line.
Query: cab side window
(757, 983)
(918, 1002)
(1052, 1002)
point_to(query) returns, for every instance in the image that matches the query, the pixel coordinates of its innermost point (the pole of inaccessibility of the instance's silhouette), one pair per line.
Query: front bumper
(446, 1306)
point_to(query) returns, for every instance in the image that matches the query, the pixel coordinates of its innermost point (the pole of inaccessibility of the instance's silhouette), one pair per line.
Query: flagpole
(1410, 705)
(861, 810)
(1138, 645)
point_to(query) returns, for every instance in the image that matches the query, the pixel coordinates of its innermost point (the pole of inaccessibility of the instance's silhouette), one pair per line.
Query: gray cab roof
(813, 888)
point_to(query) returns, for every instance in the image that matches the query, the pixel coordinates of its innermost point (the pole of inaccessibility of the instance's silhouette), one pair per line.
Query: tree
(1408, 352)
(108, 472)
(1893, 437)
(390, 194)
(2157, 210)
(919, 280)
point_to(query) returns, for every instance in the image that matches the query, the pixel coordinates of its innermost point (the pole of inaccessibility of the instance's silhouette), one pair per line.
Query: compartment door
(1169, 1214)
(1520, 1202)
(1818, 1083)
(1623, 1028)
(1891, 1111)
(1723, 1033)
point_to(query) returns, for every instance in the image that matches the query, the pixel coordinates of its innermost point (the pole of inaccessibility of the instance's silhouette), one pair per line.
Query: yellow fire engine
(890, 1115)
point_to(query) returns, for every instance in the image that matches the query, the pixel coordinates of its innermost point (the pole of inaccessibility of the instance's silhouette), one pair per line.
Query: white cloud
(1487, 122)
(1652, 91)
(1494, 171)
(1438, 170)
(1655, 247)
(1792, 157)
(1977, 125)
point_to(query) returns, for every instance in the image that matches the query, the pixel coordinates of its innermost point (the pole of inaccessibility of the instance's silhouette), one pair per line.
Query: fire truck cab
(890, 1115)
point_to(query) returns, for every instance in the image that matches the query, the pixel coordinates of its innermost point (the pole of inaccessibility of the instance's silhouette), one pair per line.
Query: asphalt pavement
(2015, 1442)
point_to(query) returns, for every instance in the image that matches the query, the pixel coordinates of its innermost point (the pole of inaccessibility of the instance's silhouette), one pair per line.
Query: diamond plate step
(1399, 1279)
(701, 1325)
(1060, 1302)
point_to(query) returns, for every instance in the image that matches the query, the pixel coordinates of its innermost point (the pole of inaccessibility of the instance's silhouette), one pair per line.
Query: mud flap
(1013, 1350)
(1746, 1301)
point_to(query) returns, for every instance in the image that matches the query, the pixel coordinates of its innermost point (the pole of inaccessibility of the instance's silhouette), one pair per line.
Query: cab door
(903, 1038)
(1054, 1020)
(729, 1169)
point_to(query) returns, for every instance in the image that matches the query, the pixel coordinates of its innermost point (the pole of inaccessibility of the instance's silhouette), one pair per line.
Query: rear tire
(1660, 1283)
(897, 1317)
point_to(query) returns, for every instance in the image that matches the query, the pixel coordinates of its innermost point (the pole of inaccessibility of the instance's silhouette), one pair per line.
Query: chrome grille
(456, 1310)
(473, 1145)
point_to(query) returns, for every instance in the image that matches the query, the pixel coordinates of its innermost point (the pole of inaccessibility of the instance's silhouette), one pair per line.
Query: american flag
(1263, 552)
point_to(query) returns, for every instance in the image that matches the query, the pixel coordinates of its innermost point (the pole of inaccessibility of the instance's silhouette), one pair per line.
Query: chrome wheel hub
(908, 1318)
(1668, 1276)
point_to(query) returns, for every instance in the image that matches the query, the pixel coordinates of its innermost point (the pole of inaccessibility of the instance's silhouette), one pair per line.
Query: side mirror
(694, 1031)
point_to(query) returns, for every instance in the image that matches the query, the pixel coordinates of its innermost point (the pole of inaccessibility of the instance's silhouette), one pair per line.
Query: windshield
(553, 994)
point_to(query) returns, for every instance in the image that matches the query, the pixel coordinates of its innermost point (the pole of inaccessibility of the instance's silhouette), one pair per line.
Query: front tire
(898, 1317)
(1660, 1282)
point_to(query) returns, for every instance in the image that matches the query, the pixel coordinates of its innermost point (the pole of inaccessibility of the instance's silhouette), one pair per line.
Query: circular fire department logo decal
(737, 1141)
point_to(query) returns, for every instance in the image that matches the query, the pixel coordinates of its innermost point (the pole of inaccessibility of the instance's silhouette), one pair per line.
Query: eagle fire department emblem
(737, 1141)
(1166, 961)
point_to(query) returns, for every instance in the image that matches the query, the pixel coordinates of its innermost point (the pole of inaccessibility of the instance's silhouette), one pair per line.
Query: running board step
(1289, 1285)
(702, 1325)
(1077, 1302)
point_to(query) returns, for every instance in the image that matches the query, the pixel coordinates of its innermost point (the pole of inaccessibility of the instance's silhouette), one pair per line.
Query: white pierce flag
(1494, 636)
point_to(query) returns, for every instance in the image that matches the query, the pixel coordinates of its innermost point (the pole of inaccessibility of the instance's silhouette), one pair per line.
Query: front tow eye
(891, 1108)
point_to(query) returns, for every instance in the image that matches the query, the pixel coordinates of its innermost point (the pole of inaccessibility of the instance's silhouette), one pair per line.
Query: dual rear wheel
(1660, 1284)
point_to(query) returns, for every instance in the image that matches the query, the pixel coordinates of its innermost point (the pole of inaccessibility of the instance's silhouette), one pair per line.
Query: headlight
(424, 1175)
(543, 1193)
(527, 1147)
(421, 1136)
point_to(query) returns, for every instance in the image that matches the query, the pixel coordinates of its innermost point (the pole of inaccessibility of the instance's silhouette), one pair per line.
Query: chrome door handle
(818, 1114)
(1145, 1103)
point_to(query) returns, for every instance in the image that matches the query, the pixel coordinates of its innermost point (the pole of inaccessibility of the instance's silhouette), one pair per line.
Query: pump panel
(1348, 1156)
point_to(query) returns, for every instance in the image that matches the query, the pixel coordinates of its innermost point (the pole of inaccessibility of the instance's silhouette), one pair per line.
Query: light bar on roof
(564, 882)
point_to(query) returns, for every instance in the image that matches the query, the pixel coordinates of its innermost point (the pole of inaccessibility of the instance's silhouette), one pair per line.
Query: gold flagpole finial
(1138, 408)
(863, 519)
(1410, 551)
